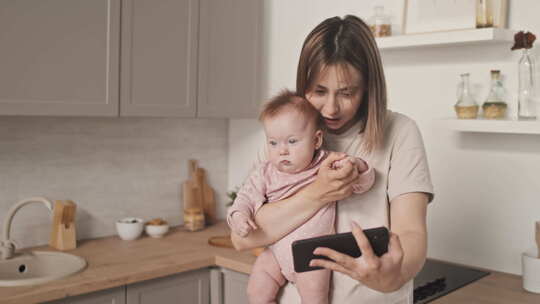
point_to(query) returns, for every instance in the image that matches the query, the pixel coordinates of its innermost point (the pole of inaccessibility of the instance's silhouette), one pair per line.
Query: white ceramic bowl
(157, 231)
(129, 228)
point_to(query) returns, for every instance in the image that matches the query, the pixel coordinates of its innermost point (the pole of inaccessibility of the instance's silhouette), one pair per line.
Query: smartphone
(342, 242)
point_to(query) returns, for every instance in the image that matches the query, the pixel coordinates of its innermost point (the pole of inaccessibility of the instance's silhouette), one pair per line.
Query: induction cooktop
(438, 278)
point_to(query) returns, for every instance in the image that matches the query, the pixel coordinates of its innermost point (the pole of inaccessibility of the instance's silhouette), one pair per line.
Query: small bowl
(156, 231)
(129, 228)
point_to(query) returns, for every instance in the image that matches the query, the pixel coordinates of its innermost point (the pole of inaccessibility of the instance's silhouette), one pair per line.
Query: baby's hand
(338, 164)
(357, 162)
(242, 225)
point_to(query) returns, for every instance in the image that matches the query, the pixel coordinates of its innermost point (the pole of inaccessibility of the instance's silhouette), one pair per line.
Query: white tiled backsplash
(110, 167)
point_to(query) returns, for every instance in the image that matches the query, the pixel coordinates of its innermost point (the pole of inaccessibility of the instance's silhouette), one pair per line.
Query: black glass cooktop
(438, 278)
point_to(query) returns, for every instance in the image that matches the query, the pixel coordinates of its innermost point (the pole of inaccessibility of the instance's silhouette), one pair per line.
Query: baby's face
(291, 141)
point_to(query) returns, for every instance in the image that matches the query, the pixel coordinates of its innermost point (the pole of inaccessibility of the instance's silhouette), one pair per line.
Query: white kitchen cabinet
(234, 287)
(159, 58)
(191, 287)
(184, 58)
(59, 57)
(215, 285)
(230, 58)
(109, 296)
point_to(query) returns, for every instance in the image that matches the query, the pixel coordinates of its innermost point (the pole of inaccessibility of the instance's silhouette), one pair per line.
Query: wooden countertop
(113, 262)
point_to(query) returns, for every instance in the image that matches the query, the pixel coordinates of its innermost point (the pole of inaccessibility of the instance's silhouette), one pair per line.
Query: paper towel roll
(530, 265)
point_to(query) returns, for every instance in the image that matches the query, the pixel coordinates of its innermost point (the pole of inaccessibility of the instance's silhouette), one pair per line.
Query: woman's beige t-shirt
(401, 167)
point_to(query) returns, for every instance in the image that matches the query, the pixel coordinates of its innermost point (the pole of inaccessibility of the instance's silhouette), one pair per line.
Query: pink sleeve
(251, 195)
(366, 179)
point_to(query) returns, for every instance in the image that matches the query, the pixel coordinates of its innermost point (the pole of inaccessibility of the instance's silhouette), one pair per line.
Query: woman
(340, 73)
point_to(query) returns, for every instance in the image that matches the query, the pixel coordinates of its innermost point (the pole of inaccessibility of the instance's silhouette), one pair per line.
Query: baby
(293, 129)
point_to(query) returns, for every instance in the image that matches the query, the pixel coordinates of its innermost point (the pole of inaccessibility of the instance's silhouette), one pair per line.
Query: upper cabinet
(59, 57)
(159, 58)
(230, 47)
(169, 58)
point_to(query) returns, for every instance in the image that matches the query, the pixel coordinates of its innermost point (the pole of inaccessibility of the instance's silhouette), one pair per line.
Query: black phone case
(342, 242)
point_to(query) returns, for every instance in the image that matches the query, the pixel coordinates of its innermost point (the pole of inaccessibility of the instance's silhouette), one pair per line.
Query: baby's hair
(288, 99)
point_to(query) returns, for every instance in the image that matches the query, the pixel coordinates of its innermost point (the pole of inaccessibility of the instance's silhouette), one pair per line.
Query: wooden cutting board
(221, 241)
(197, 193)
(208, 200)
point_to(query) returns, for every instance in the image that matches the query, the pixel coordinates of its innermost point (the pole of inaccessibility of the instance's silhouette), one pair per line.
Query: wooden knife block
(63, 235)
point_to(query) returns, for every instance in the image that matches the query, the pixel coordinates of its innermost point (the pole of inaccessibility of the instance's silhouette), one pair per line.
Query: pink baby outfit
(267, 184)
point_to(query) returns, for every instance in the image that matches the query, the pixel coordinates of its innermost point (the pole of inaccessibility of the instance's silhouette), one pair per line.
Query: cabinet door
(159, 57)
(192, 287)
(230, 58)
(234, 287)
(109, 296)
(59, 57)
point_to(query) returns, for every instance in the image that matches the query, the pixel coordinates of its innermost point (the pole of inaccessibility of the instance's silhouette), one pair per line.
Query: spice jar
(484, 13)
(466, 107)
(495, 107)
(193, 219)
(380, 24)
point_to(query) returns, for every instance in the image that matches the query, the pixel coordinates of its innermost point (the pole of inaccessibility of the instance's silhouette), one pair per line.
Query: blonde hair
(287, 99)
(343, 42)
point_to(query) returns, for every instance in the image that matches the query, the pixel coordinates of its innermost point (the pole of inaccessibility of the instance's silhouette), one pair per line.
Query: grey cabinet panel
(59, 57)
(109, 296)
(159, 57)
(190, 288)
(230, 48)
(234, 287)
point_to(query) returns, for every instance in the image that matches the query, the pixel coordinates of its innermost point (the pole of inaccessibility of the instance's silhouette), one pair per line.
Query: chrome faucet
(7, 247)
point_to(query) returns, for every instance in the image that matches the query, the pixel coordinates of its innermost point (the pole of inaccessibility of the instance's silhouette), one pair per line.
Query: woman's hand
(379, 273)
(332, 184)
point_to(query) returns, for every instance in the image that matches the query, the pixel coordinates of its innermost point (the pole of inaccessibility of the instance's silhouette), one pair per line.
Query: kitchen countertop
(113, 262)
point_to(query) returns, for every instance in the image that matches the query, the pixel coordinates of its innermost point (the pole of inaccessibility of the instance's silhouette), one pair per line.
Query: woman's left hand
(379, 273)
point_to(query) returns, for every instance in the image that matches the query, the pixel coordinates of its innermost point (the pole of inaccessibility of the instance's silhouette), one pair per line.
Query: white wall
(487, 185)
(110, 167)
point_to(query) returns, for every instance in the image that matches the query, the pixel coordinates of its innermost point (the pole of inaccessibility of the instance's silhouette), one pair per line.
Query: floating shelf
(508, 126)
(462, 37)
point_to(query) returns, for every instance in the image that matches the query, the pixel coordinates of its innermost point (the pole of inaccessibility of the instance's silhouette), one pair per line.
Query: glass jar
(484, 13)
(526, 90)
(380, 23)
(495, 105)
(193, 219)
(466, 107)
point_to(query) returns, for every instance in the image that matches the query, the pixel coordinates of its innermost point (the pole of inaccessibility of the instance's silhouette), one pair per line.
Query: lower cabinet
(192, 287)
(115, 295)
(204, 286)
(234, 287)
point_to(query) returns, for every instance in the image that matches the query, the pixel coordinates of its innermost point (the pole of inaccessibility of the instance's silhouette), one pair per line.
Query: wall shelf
(508, 126)
(462, 37)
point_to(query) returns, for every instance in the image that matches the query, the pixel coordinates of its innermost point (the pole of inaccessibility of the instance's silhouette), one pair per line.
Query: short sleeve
(408, 170)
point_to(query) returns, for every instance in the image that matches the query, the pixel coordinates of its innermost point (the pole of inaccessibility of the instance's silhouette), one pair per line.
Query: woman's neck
(346, 127)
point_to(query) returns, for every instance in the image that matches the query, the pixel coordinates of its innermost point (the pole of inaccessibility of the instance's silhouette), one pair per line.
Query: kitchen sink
(36, 267)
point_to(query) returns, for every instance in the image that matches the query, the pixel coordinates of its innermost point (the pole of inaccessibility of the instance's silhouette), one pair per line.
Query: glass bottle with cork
(466, 107)
(527, 90)
(495, 105)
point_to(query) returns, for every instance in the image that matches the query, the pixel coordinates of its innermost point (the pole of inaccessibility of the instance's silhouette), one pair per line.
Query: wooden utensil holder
(63, 234)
